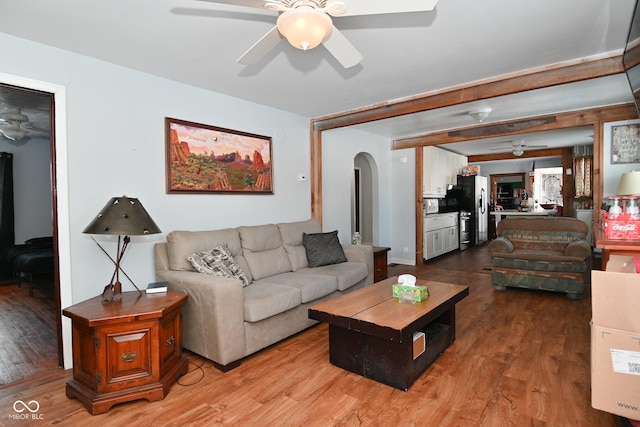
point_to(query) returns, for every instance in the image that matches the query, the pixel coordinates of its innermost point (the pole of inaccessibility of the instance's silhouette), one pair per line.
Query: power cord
(196, 367)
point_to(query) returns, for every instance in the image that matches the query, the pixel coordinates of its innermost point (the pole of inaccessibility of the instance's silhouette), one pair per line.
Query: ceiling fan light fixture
(518, 151)
(305, 27)
(480, 114)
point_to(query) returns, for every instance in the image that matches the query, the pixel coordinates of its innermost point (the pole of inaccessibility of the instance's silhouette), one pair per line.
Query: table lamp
(121, 216)
(629, 184)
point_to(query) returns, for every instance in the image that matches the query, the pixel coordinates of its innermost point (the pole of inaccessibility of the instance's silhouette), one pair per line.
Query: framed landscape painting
(208, 159)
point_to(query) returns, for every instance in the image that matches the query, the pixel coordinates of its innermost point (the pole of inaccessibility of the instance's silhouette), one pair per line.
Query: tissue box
(414, 293)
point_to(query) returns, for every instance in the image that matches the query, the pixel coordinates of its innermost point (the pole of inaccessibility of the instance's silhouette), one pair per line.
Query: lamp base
(112, 293)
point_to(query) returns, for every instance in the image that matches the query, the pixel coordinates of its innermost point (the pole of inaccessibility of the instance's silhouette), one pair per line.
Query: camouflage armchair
(545, 253)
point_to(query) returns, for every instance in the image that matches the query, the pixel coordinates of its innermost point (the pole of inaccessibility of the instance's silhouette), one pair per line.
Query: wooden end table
(380, 263)
(371, 333)
(126, 350)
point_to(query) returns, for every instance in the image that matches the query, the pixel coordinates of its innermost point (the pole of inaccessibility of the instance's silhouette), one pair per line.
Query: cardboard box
(419, 344)
(413, 293)
(615, 338)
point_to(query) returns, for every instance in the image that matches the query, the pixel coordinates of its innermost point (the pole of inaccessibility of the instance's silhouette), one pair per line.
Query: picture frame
(625, 144)
(208, 159)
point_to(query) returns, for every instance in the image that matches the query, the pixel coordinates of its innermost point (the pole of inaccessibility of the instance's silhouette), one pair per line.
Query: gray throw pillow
(218, 262)
(323, 249)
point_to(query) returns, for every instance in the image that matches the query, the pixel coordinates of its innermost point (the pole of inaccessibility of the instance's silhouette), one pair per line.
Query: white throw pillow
(218, 262)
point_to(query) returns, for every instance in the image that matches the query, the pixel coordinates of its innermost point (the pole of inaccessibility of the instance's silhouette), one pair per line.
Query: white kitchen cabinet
(452, 237)
(434, 182)
(434, 243)
(440, 168)
(441, 234)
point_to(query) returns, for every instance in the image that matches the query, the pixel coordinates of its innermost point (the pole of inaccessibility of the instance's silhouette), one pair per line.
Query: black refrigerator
(473, 197)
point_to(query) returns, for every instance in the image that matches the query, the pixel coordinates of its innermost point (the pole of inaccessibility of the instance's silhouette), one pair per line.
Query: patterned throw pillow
(323, 249)
(218, 262)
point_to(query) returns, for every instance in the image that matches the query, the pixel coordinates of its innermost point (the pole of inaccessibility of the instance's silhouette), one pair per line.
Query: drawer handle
(130, 356)
(171, 340)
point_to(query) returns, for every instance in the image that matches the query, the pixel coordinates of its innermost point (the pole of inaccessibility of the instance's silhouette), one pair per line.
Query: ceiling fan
(15, 126)
(517, 148)
(307, 24)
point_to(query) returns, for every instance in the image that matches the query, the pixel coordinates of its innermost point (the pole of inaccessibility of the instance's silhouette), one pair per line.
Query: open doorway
(507, 189)
(362, 197)
(31, 287)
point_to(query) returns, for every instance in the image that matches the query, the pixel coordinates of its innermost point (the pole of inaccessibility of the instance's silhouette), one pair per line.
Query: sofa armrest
(213, 316)
(501, 244)
(361, 253)
(578, 248)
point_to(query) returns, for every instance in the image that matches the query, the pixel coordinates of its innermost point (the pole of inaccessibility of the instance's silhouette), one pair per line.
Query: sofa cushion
(218, 262)
(346, 274)
(539, 261)
(323, 249)
(181, 244)
(263, 300)
(291, 233)
(263, 250)
(311, 286)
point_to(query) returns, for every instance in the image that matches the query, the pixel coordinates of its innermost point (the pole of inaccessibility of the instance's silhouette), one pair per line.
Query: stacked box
(615, 338)
(620, 227)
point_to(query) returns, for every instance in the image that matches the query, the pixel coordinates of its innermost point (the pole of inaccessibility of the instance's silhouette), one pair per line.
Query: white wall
(403, 224)
(517, 166)
(339, 148)
(114, 145)
(31, 187)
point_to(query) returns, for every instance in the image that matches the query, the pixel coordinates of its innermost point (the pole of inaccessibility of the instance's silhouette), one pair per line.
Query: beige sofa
(225, 321)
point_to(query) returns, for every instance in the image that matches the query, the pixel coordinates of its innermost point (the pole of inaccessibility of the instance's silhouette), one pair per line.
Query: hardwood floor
(28, 345)
(521, 358)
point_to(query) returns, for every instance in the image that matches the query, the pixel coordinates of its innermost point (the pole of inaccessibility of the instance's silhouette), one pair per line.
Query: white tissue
(407, 280)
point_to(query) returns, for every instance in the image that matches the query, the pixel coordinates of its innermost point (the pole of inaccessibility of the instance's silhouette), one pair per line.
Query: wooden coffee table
(371, 333)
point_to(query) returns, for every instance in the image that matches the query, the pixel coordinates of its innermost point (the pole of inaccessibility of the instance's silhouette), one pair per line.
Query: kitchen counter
(515, 212)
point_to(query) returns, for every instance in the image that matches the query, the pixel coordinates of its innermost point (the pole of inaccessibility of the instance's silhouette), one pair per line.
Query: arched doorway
(363, 197)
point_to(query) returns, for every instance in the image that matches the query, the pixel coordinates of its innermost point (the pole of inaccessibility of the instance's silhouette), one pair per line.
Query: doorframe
(493, 178)
(60, 206)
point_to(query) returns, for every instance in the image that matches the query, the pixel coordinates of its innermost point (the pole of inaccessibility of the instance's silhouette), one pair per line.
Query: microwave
(430, 206)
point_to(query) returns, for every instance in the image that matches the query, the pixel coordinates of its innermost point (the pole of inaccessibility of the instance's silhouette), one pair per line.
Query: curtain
(7, 234)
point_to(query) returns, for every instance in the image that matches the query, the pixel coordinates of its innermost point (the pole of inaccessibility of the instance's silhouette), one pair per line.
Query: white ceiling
(461, 41)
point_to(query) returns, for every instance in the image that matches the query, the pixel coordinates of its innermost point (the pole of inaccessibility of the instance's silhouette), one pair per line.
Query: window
(548, 185)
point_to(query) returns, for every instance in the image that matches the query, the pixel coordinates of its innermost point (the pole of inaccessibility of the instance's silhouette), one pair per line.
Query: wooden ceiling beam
(517, 127)
(546, 152)
(522, 82)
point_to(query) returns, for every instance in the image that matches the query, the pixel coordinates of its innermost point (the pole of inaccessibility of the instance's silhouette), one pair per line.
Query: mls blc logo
(26, 411)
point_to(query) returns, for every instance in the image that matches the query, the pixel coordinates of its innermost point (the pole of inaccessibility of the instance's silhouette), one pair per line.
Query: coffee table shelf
(371, 333)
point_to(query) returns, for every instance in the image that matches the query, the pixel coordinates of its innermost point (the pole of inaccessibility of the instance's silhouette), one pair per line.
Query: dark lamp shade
(123, 216)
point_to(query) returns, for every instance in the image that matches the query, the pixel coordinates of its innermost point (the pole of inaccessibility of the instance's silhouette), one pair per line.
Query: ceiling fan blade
(30, 127)
(374, 7)
(258, 4)
(262, 46)
(342, 49)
